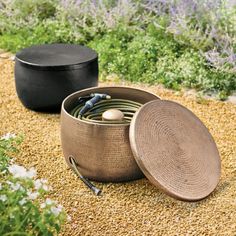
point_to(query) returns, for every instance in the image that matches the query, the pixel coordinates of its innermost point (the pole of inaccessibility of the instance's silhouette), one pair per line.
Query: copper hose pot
(102, 152)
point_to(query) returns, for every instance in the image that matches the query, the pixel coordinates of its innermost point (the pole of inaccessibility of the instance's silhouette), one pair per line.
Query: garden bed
(180, 44)
(134, 208)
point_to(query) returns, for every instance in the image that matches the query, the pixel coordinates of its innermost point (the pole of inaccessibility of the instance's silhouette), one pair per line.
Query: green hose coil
(94, 115)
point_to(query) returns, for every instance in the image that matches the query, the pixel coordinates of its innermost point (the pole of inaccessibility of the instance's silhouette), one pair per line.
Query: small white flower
(15, 186)
(32, 196)
(17, 171)
(47, 202)
(3, 198)
(21, 172)
(37, 184)
(31, 173)
(56, 210)
(43, 205)
(40, 184)
(44, 181)
(68, 218)
(8, 136)
(22, 201)
(45, 187)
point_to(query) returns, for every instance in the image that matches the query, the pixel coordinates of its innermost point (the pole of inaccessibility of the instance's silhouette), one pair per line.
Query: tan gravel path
(134, 208)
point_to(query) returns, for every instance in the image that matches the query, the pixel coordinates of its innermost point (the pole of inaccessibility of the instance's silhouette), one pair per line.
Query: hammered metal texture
(101, 151)
(175, 150)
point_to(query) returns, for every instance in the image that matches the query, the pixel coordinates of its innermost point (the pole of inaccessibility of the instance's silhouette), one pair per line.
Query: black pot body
(44, 89)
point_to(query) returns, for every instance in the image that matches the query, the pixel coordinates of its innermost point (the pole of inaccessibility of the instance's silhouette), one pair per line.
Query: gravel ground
(134, 208)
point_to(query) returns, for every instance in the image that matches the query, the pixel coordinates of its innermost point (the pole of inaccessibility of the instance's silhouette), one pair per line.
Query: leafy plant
(207, 25)
(152, 56)
(178, 43)
(23, 208)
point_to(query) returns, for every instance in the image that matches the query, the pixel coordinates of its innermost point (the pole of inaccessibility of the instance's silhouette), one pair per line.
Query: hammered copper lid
(175, 150)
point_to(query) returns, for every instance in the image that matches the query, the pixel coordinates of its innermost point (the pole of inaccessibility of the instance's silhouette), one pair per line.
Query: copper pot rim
(63, 110)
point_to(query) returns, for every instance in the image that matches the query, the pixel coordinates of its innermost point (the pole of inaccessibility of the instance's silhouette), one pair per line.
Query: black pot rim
(53, 68)
(24, 57)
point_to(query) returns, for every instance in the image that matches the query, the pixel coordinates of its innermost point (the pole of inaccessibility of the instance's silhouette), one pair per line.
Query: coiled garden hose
(102, 109)
(96, 190)
(94, 113)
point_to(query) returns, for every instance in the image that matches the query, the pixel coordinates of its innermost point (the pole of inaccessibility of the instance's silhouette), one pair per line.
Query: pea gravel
(133, 208)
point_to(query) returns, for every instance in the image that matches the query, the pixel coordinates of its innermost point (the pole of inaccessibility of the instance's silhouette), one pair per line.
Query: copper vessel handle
(95, 190)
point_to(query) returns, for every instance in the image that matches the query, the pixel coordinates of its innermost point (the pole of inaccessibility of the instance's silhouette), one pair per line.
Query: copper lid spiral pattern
(175, 150)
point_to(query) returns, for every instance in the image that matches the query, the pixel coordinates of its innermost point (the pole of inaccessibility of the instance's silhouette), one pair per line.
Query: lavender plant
(198, 37)
(89, 19)
(207, 25)
(18, 14)
(23, 208)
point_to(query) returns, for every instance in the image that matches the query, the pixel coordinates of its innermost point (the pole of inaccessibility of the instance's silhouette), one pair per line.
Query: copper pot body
(102, 152)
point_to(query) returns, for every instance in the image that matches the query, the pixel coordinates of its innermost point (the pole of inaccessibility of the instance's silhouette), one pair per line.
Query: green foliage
(41, 9)
(134, 43)
(15, 15)
(23, 209)
(152, 56)
(46, 32)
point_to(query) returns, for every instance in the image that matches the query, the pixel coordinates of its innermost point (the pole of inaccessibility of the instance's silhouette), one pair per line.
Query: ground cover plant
(24, 208)
(179, 43)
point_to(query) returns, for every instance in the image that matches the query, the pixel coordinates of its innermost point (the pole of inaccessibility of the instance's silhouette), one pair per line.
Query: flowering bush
(24, 210)
(207, 25)
(196, 37)
(152, 56)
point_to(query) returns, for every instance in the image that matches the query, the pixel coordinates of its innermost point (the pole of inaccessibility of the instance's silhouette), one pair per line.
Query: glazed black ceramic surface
(46, 74)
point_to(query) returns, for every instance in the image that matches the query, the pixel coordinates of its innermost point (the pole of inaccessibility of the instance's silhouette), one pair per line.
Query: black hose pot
(46, 74)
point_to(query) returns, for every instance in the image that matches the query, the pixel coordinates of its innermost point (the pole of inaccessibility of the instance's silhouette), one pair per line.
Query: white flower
(16, 186)
(56, 210)
(44, 181)
(47, 202)
(8, 136)
(37, 184)
(33, 195)
(46, 188)
(3, 198)
(22, 201)
(31, 173)
(20, 171)
(40, 184)
(43, 205)
(17, 171)
(68, 218)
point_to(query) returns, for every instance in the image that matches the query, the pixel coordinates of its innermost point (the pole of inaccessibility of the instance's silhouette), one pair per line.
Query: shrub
(47, 31)
(153, 56)
(24, 210)
(18, 14)
(175, 42)
(207, 25)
